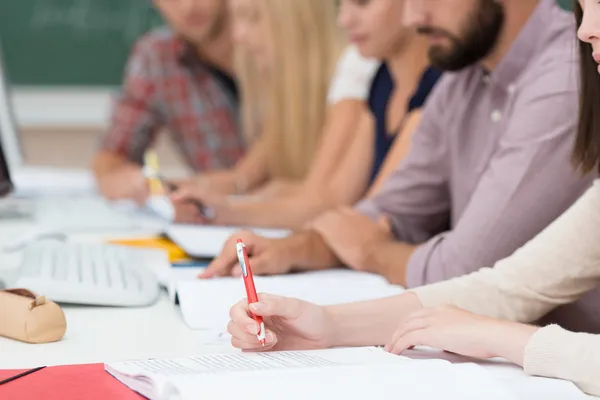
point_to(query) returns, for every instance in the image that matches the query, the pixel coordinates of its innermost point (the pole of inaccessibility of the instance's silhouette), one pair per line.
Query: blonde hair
(288, 107)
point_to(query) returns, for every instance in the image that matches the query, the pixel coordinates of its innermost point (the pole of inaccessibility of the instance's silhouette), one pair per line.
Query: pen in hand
(206, 212)
(250, 288)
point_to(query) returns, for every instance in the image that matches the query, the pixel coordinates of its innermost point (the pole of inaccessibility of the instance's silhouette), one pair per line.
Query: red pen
(250, 288)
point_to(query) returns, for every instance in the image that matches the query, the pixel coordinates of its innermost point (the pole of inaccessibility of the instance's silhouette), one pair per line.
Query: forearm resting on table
(390, 259)
(370, 323)
(310, 252)
(106, 162)
(290, 212)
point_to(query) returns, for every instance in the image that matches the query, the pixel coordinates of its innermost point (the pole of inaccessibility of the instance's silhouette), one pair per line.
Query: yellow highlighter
(176, 254)
(151, 173)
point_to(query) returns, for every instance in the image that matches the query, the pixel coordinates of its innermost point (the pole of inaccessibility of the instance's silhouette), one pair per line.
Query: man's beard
(482, 31)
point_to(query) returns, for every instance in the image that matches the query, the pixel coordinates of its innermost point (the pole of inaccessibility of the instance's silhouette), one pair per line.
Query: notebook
(207, 241)
(357, 373)
(205, 304)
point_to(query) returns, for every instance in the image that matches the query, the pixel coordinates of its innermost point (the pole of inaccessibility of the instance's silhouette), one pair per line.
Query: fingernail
(252, 329)
(270, 338)
(258, 307)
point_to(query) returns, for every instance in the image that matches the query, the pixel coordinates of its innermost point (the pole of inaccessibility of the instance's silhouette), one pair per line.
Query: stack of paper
(207, 241)
(361, 373)
(205, 304)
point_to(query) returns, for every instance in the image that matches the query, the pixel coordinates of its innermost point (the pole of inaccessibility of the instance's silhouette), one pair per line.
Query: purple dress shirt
(489, 166)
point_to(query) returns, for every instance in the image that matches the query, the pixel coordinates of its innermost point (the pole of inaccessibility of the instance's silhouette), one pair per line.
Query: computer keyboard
(91, 273)
(90, 214)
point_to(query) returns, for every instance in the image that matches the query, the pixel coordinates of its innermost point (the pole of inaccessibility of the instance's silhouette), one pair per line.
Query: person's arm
(527, 184)
(294, 211)
(347, 100)
(253, 169)
(338, 136)
(555, 268)
(250, 172)
(134, 125)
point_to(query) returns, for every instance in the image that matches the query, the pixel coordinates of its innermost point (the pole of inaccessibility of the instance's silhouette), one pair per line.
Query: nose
(187, 5)
(589, 30)
(415, 12)
(345, 18)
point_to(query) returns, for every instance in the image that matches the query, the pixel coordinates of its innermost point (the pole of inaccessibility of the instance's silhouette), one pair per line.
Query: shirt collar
(186, 53)
(525, 47)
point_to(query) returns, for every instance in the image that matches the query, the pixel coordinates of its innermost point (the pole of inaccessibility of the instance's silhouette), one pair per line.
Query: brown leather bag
(30, 318)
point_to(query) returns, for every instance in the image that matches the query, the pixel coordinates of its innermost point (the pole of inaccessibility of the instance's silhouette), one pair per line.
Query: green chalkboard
(71, 42)
(566, 4)
(75, 42)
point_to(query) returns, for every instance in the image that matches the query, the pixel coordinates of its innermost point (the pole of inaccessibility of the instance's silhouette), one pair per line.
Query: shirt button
(511, 89)
(486, 78)
(496, 116)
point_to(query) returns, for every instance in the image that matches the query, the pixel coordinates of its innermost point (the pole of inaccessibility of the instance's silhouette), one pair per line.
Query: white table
(96, 335)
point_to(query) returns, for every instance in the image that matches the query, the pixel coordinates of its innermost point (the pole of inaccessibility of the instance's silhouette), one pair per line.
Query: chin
(368, 51)
(196, 37)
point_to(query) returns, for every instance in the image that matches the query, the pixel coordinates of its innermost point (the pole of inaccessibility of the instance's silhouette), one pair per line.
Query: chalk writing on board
(91, 19)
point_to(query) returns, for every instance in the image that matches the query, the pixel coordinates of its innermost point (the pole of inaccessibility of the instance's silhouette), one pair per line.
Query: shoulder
(555, 66)
(445, 89)
(353, 76)
(352, 60)
(158, 43)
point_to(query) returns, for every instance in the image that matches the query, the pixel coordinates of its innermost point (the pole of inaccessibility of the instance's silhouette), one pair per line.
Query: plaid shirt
(167, 86)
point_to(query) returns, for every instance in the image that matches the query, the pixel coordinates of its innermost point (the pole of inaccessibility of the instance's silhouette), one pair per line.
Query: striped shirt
(489, 166)
(168, 86)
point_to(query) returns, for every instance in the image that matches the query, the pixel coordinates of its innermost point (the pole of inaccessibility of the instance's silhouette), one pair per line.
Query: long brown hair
(586, 155)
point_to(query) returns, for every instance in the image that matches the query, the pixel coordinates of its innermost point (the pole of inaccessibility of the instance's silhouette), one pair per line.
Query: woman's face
(251, 31)
(374, 26)
(589, 30)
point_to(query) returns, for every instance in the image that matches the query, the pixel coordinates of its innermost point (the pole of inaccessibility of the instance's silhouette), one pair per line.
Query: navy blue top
(379, 97)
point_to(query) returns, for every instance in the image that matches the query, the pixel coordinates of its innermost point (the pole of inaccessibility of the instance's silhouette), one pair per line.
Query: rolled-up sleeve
(352, 78)
(528, 183)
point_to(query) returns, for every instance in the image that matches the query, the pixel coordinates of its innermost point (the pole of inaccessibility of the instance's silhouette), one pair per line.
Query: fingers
(411, 339)
(182, 194)
(224, 263)
(415, 321)
(240, 315)
(186, 213)
(253, 344)
(244, 329)
(277, 306)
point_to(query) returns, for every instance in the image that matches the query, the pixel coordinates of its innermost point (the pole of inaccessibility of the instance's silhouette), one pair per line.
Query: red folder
(69, 382)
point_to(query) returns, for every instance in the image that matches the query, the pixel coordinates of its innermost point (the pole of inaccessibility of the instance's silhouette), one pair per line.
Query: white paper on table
(207, 241)
(36, 181)
(356, 373)
(205, 304)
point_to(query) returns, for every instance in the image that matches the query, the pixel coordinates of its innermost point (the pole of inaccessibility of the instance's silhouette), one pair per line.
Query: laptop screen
(5, 182)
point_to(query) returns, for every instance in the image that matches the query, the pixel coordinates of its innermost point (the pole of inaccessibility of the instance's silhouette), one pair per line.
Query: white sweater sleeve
(352, 78)
(556, 353)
